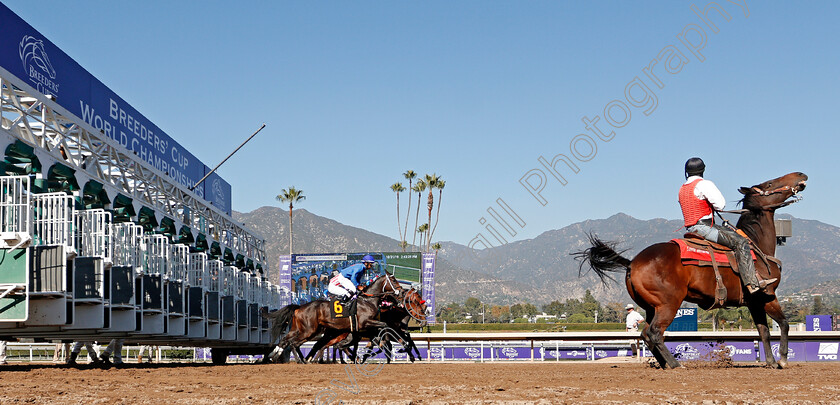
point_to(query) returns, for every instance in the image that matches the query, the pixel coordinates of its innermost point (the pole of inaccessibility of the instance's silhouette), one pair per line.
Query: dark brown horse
(658, 281)
(314, 318)
(412, 306)
(396, 311)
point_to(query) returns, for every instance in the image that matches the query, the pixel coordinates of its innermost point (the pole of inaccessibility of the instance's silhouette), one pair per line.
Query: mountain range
(541, 269)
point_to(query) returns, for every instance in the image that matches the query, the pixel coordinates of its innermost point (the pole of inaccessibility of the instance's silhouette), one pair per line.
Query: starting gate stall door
(228, 300)
(212, 300)
(264, 295)
(91, 270)
(242, 306)
(51, 275)
(254, 295)
(15, 236)
(197, 279)
(151, 287)
(175, 281)
(126, 252)
(243, 316)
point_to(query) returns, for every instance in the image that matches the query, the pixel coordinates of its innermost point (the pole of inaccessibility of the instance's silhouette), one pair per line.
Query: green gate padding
(20, 159)
(123, 209)
(94, 195)
(146, 219)
(13, 269)
(61, 179)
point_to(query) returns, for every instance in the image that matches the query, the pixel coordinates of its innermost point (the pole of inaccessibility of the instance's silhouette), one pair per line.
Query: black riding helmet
(694, 167)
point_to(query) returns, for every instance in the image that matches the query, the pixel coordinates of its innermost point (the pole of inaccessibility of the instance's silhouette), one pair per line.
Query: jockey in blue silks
(345, 283)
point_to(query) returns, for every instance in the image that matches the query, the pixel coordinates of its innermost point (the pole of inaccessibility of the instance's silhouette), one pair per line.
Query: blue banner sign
(818, 323)
(35, 60)
(685, 320)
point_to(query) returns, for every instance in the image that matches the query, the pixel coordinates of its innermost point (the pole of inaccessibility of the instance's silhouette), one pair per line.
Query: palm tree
(436, 247)
(398, 188)
(422, 229)
(431, 181)
(292, 196)
(409, 175)
(439, 185)
(419, 188)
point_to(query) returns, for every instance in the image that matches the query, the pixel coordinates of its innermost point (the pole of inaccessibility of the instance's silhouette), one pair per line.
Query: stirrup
(764, 283)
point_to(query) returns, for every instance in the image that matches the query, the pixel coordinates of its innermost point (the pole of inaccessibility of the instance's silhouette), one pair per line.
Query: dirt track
(516, 383)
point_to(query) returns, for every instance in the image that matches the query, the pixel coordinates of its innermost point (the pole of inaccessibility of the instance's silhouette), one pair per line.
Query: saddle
(696, 250)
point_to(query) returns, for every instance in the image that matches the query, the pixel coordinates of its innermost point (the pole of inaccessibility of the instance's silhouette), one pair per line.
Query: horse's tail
(602, 258)
(281, 317)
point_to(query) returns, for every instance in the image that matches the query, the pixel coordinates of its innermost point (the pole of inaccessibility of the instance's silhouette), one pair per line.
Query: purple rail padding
(822, 351)
(796, 350)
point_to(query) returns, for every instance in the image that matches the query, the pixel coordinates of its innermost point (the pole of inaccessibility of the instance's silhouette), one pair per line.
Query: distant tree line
(572, 310)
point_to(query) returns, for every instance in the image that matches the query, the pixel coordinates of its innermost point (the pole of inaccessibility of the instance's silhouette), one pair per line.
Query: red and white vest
(693, 208)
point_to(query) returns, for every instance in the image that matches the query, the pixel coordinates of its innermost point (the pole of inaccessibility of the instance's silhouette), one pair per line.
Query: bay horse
(659, 282)
(314, 318)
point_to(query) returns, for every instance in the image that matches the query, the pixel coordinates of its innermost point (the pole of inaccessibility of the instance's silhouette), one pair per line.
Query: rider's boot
(740, 246)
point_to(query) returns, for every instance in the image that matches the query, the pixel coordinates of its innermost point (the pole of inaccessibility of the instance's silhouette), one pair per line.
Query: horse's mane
(749, 220)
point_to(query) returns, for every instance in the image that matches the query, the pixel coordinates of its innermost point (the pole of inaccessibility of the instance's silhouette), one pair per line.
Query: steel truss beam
(41, 122)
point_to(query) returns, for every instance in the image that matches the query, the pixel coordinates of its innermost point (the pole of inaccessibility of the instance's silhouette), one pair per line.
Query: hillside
(541, 269)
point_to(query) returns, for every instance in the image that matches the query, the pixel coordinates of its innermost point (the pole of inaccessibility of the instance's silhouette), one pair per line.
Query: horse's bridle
(793, 189)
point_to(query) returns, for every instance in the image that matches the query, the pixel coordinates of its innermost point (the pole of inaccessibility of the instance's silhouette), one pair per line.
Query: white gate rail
(15, 224)
(93, 233)
(53, 220)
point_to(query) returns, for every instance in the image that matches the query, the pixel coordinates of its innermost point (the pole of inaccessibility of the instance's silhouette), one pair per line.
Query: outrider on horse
(659, 280)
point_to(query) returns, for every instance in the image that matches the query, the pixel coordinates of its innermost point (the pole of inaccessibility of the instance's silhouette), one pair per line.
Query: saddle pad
(338, 310)
(692, 253)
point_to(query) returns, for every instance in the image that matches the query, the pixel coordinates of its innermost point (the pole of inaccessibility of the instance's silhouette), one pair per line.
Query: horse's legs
(759, 315)
(317, 349)
(662, 317)
(388, 350)
(654, 350)
(774, 309)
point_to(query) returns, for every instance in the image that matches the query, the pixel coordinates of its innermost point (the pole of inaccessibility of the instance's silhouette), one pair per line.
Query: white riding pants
(341, 286)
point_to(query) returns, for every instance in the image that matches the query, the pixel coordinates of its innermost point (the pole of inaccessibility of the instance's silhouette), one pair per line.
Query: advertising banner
(822, 351)
(429, 286)
(684, 321)
(818, 323)
(35, 60)
(285, 278)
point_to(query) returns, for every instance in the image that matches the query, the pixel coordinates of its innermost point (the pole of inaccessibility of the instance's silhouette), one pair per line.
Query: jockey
(699, 198)
(345, 283)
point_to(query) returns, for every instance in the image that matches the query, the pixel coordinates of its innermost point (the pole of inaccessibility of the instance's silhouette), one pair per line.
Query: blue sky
(354, 94)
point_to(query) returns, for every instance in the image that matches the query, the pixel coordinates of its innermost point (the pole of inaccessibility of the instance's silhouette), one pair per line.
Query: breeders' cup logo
(36, 64)
(775, 350)
(686, 351)
(218, 194)
(472, 352)
(436, 352)
(601, 353)
(509, 352)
